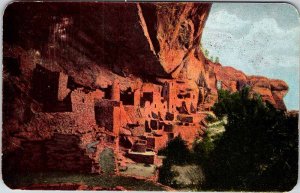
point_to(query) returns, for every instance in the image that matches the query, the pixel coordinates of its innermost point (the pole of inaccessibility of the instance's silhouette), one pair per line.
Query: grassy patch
(188, 176)
(142, 170)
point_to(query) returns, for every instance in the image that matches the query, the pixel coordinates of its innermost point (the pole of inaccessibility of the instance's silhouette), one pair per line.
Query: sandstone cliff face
(145, 38)
(270, 90)
(174, 30)
(95, 43)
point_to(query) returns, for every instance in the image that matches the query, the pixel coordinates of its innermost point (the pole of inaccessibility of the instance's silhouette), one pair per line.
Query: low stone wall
(61, 153)
(64, 153)
(141, 157)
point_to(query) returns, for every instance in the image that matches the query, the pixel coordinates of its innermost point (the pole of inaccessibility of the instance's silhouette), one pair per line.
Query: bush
(210, 119)
(202, 150)
(177, 151)
(166, 175)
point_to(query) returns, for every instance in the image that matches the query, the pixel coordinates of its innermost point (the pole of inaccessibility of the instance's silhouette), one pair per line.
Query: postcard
(151, 96)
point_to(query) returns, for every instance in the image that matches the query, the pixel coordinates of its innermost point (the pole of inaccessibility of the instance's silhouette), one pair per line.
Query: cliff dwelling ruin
(88, 94)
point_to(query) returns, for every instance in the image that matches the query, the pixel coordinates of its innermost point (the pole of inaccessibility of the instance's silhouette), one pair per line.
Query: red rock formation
(271, 90)
(229, 76)
(174, 30)
(156, 38)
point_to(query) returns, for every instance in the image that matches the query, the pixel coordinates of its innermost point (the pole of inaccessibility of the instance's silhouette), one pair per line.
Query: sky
(259, 39)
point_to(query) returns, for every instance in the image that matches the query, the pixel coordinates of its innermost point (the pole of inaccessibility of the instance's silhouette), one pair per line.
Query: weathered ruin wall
(65, 154)
(30, 158)
(188, 133)
(65, 123)
(104, 117)
(161, 142)
(111, 115)
(83, 107)
(44, 85)
(57, 141)
(63, 91)
(61, 153)
(141, 158)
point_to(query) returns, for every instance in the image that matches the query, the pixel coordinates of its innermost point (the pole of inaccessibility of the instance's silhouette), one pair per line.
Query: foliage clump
(259, 148)
(211, 58)
(177, 153)
(257, 152)
(211, 119)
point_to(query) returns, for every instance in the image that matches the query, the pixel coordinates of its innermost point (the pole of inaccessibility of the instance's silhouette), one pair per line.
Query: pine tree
(206, 53)
(217, 60)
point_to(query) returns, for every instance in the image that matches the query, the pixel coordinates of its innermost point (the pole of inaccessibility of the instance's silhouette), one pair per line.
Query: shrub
(177, 151)
(210, 119)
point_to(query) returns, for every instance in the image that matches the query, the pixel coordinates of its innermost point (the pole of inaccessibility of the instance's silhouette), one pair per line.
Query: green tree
(206, 53)
(166, 175)
(258, 150)
(203, 149)
(217, 60)
(177, 151)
